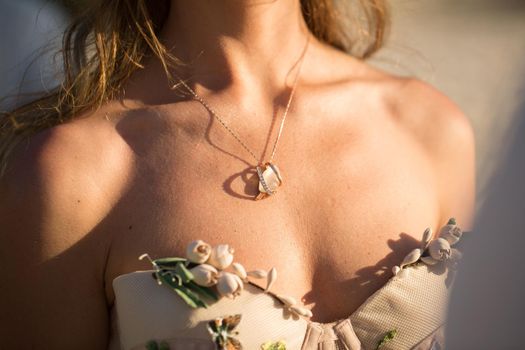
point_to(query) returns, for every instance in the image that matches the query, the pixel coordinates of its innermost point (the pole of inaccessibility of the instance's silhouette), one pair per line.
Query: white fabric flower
(301, 311)
(452, 233)
(411, 257)
(427, 237)
(221, 256)
(259, 274)
(270, 279)
(240, 271)
(439, 249)
(290, 306)
(229, 285)
(204, 275)
(198, 252)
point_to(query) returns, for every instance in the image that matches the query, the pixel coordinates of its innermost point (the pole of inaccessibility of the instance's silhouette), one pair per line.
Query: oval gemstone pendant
(269, 180)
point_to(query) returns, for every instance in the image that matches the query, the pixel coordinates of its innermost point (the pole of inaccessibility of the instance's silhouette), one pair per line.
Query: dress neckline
(148, 311)
(257, 289)
(430, 253)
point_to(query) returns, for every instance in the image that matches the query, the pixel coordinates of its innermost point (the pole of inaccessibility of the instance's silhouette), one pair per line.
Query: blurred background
(29, 39)
(472, 50)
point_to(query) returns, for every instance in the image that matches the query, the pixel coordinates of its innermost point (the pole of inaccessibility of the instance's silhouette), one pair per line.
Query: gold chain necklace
(269, 174)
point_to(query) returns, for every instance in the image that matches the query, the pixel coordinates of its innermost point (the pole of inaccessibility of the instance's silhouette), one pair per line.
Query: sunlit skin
(368, 161)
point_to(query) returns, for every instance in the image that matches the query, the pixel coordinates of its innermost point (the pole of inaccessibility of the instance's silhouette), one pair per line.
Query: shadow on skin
(357, 289)
(157, 124)
(249, 175)
(251, 184)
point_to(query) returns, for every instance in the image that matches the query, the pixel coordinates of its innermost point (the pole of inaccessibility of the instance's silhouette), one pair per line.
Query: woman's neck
(245, 43)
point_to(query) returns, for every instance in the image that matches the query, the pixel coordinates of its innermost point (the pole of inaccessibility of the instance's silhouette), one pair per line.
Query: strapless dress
(408, 312)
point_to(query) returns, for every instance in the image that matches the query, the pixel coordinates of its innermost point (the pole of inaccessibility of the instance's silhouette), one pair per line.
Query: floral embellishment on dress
(437, 250)
(278, 345)
(201, 275)
(291, 307)
(153, 345)
(230, 285)
(208, 273)
(176, 273)
(198, 252)
(221, 256)
(223, 332)
(389, 336)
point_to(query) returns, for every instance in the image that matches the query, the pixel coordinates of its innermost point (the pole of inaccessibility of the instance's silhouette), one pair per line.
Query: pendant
(269, 180)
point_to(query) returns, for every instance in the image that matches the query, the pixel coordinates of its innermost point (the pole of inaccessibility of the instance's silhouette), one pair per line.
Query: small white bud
(258, 274)
(411, 257)
(240, 271)
(452, 233)
(439, 249)
(427, 236)
(229, 285)
(288, 301)
(198, 252)
(301, 311)
(395, 270)
(204, 275)
(221, 256)
(272, 276)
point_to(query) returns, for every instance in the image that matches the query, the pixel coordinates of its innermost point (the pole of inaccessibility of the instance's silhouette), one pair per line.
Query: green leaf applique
(222, 331)
(175, 273)
(388, 337)
(153, 345)
(278, 345)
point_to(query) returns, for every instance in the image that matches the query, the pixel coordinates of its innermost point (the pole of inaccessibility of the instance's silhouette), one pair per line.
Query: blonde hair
(107, 43)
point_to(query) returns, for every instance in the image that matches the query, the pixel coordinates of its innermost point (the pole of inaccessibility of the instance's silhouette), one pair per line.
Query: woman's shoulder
(415, 105)
(69, 172)
(431, 122)
(445, 135)
(59, 185)
(431, 116)
(75, 148)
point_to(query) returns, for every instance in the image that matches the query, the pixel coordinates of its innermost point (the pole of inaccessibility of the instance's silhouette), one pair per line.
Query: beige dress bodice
(411, 307)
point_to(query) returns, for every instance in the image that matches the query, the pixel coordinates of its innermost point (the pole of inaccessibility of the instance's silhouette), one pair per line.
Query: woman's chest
(343, 216)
